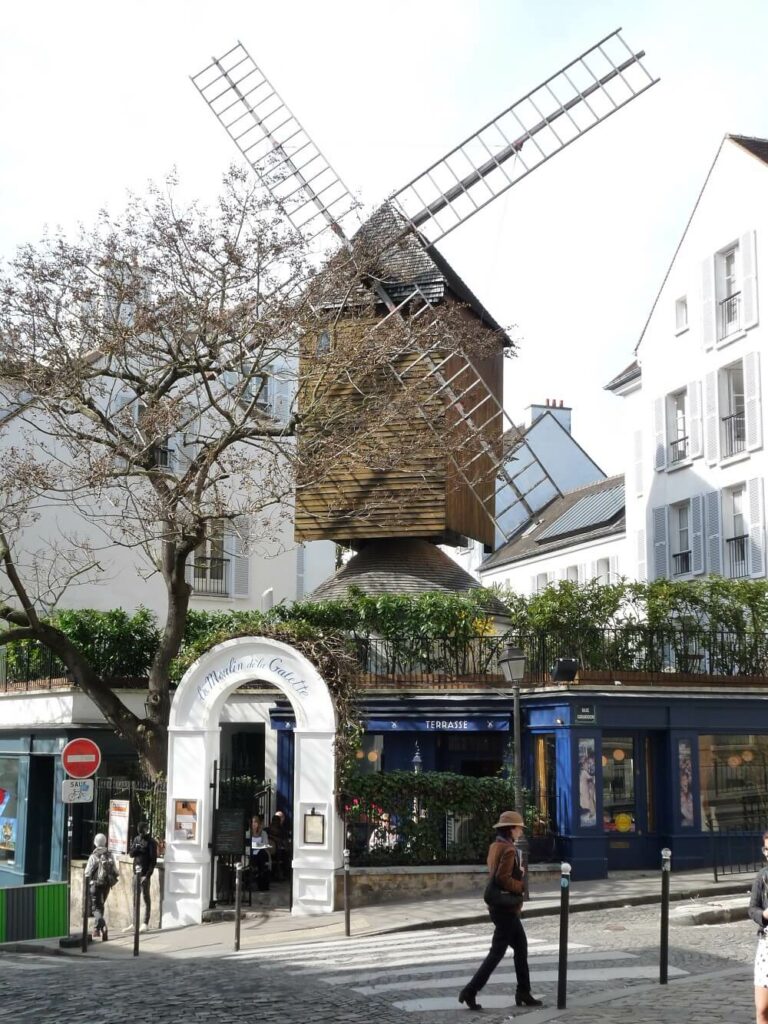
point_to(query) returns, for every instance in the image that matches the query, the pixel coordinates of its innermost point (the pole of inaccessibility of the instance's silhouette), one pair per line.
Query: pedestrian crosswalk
(423, 971)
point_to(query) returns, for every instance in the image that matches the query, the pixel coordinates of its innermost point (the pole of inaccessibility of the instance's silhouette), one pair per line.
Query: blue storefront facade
(621, 775)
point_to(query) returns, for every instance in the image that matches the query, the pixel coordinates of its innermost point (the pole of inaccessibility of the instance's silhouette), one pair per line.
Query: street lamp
(512, 665)
(416, 760)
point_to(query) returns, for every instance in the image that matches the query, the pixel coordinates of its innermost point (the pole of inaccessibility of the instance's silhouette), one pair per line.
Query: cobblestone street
(411, 976)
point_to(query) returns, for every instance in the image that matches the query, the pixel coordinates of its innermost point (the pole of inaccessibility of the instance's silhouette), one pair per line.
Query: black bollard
(86, 897)
(136, 907)
(666, 870)
(346, 893)
(238, 902)
(562, 960)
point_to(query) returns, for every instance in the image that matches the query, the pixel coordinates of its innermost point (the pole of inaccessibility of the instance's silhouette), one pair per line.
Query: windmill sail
(546, 120)
(275, 144)
(506, 479)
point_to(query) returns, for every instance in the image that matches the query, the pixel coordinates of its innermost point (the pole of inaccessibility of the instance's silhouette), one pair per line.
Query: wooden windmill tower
(455, 477)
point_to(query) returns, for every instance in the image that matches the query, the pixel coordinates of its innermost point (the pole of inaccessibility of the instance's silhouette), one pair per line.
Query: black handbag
(495, 896)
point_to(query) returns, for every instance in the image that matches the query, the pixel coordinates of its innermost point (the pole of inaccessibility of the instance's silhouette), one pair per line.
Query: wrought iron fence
(147, 803)
(736, 852)
(737, 556)
(730, 315)
(735, 436)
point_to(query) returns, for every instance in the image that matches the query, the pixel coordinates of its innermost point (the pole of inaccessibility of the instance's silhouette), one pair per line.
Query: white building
(545, 462)
(697, 465)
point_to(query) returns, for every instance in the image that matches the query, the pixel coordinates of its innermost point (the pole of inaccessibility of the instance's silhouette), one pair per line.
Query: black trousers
(145, 892)
(97, 897)
(509, 931)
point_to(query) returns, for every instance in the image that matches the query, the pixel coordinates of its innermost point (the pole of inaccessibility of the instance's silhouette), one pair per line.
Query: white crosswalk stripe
(424, 971)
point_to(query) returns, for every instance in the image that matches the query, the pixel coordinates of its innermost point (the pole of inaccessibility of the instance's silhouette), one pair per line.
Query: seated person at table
(259, 851)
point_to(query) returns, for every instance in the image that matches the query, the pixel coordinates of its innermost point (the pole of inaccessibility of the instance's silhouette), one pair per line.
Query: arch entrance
(193, 746)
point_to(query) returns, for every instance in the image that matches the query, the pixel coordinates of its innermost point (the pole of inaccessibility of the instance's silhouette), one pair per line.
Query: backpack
(106, 872)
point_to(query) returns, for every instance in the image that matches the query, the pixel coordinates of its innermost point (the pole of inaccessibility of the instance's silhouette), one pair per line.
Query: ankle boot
(467, 997)
(526, 999)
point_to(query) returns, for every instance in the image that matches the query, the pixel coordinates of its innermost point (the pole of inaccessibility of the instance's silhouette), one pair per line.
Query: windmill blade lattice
(277, 147)
(480, 436)
(564, 107)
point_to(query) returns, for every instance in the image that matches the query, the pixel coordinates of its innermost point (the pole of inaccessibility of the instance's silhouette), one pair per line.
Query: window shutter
(582, 573)
(534, 584)
(711, 423)
(638, 462)
(748, 280)
(550, 578)
(756, 527)
(562, 574)
(695, 445)
(613, 572)
(660, 434)
(642, 573)
(593, 570)
(299, 572)
(660, 542)
(708, 303)
(712, 511)
(697, 534)
(281, 397)
(241, 566)
(753, 420)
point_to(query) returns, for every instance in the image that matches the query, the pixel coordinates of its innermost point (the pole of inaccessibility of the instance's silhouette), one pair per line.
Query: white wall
(732, 209)
(581, 562)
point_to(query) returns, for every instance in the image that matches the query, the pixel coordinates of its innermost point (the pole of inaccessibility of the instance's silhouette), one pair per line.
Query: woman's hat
(508, 819)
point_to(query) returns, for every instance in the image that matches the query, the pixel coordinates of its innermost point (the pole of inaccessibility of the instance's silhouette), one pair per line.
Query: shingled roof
(400, 566)
(402, 261)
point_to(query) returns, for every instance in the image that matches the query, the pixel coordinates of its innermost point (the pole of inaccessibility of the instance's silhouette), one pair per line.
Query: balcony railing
(209, 576)
(737, 556)
(729, 315)
(678, 450)
(735, 436)
(681, 563)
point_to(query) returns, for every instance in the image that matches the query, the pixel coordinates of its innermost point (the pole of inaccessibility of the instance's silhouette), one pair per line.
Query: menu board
(230, 831)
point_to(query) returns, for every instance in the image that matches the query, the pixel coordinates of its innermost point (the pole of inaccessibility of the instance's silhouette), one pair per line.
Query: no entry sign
(81, 758)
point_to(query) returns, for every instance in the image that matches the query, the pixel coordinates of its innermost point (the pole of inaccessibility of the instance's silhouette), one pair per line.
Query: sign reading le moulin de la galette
(252, 663)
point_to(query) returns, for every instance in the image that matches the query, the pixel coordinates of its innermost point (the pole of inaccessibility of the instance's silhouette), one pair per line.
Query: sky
(96, 99)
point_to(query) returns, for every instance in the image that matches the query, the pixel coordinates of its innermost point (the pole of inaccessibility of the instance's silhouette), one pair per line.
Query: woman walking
(504, 866)
(758, 911)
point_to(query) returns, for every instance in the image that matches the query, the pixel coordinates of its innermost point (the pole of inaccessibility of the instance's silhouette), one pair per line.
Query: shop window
(9, 785)
(618, 763)
(733, 781)
(369, 756)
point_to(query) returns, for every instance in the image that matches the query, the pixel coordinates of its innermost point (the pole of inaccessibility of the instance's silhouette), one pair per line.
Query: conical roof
(400, 565)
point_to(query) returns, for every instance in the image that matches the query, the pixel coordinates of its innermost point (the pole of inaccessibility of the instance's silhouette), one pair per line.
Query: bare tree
(150, 382)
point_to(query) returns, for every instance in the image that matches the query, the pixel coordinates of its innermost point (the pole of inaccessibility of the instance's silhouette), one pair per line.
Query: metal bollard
(86, 897)
(346, 893)
(238, 902)
(136, 907)
(562, 960)
(666, 870)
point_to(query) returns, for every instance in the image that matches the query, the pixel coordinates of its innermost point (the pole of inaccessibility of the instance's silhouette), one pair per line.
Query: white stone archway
(193, 746)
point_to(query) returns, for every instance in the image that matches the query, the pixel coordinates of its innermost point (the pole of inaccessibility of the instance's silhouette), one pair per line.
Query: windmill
(464, 477)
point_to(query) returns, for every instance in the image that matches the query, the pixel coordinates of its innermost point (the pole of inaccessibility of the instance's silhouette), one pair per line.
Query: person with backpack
(144, 852)
(758, 912)
(102, 874)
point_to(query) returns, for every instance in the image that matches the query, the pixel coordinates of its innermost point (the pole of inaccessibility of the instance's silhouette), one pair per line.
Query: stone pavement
(694, 893)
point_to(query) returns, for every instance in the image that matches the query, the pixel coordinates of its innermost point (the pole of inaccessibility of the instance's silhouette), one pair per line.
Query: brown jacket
(503, 862)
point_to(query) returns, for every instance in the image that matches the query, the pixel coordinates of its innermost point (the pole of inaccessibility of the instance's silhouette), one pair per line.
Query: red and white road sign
(81, 758)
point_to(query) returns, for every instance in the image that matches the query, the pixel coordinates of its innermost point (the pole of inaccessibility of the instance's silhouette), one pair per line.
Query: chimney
(555, 407)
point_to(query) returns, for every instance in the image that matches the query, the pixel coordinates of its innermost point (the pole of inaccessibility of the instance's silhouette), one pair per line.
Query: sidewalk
(697, 900)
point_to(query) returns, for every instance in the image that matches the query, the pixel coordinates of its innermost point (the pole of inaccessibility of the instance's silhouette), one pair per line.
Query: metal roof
(592, 510)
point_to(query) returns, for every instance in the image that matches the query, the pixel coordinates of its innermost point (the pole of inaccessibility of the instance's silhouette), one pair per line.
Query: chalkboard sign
(230, 831)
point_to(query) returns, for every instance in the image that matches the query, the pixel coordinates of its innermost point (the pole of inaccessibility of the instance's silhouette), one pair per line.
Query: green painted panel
(51, 910)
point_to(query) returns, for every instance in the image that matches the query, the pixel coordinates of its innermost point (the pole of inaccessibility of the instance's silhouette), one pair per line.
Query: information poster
(685, 771)
(185, 820)
(587, 791)
(117, 837)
